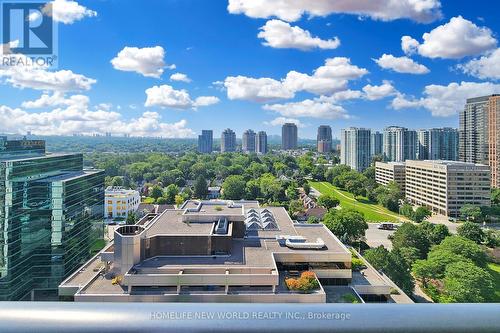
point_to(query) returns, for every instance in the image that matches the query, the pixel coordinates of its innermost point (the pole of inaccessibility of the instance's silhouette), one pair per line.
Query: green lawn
(373, 211)
(494, 270)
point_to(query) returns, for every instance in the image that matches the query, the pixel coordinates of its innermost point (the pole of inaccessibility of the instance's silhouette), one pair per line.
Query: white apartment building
(119, 202)
(445, 186)
(386, 172)
(355, 148)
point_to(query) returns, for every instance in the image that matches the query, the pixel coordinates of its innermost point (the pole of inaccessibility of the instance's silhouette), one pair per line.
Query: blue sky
(116, 57)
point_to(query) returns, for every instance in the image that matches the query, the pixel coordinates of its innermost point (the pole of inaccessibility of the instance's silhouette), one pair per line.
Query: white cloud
(180, 77)
(41, 79)
(373, 93)
(259, 90)
(205, 101)
(340, 96)
(309, 108)
(293, 10)
(409, 45)
(444, 101)
(55, 100)
(332, 77)
(78, 119)
(148, 61)
(401, 64)
(486, 67)
(280, 121)
(456, 39)
(67, 11)
(166, 96)
(282, 35)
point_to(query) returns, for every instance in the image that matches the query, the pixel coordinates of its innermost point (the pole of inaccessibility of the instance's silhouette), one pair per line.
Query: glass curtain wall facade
(51, 215)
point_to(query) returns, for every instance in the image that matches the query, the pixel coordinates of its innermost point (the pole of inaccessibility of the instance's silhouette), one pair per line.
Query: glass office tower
(51, 216)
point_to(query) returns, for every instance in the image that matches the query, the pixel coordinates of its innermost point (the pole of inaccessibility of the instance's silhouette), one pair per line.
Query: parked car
(387, 226)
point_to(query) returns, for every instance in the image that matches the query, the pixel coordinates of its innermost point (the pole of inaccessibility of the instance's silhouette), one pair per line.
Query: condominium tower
(51, 216)
(261, 143)
(228, 141)
(479, 131)
(422, 144)
(443, 144)
(205, 142)
(248, 141)
(289, 136)
(376, 143)
(324, 139)
(400, 144)
(355, 148)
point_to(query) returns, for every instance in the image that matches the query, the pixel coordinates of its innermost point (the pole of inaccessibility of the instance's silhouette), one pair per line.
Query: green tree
(463, 247)
(307, 188)
(410, 235)
(369, 172)
(471, 231)
(394, 265)
(161, 201)
(495, 196)
(471, 212)
(328, 201)
(466, 283)
(409, 254)
(234, 187)
(170, 192)
(434, 232)
(294, 207)
(131, 218)
(421, 213)
(156, 192)
(407, 210)
(117, 181)
(389, 196)
(347, 224)
(200, 187)
(313, 220)
(252, 189)
(336, 171)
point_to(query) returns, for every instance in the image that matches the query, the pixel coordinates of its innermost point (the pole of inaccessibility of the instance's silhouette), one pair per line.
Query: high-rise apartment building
(289, 136)
(479, 138)
(376, 143)
(324, 139)
(355, 148)
(205, 142)
(443, 144)
(445, 186)
(422, 144)
(228, 141)
(261, 143)
(248, 141)
(400, 144)
(51, 215)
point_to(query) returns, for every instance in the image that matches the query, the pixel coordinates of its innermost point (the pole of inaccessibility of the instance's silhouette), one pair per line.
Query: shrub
(218, 208)
(350, 298)
(306, 282)
(357, 264)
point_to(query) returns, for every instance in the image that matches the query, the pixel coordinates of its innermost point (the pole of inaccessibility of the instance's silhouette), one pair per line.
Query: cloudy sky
(174, 67)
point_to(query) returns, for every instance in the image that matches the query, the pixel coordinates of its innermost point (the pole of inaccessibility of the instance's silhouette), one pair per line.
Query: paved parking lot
(376, 237)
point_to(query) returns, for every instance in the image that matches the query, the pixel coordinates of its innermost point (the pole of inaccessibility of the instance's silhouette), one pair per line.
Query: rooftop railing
(56, 317)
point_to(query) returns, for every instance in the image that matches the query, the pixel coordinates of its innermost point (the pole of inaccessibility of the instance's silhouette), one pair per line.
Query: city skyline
(174, 77)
